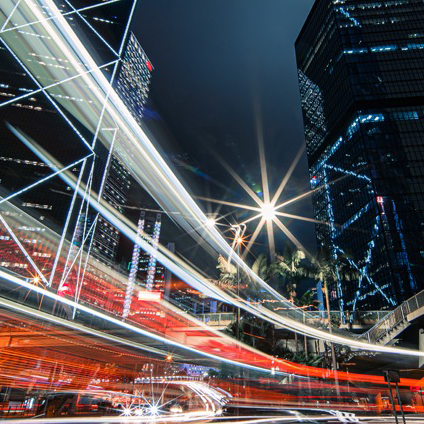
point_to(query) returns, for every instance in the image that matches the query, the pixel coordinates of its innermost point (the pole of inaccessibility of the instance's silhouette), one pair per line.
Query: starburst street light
(210, 222)
(154, 410)
(268, 211)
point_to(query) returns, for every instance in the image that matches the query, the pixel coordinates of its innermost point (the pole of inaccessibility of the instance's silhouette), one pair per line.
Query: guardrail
(361, 318)
(394, 318)
(217, 319)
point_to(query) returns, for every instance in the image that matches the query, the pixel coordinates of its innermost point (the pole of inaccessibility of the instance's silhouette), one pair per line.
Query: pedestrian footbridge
(396, 321)
(382, 327)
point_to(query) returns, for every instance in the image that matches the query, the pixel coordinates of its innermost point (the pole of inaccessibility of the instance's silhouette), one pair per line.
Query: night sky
(217, 63)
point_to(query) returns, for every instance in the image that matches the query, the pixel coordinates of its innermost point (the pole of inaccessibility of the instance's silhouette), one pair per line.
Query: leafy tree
(308, 300)
(213, 373)
(298, 357)
(327, 268)
(254, 331)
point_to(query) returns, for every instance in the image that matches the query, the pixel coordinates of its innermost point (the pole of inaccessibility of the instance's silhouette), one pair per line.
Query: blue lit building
(362, 91)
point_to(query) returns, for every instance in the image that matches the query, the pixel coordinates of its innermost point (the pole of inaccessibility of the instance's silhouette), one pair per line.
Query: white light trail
(24, 252)
(125, 325)
(91, 27)
(74, 326)
(49, 97)
(17, 193)
(150, 169)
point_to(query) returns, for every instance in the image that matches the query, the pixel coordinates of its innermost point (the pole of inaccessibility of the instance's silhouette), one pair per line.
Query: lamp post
(238, 240)
(239, 231)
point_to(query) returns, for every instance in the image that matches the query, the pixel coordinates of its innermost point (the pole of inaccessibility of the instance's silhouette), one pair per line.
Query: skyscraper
(43, 113)
(361, 84)
(132, 85)
(60, 128)
(134, 78)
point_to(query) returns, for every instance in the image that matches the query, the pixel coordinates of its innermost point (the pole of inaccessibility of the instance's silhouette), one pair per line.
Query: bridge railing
(217, 319)
(394, 318)
(361, 318)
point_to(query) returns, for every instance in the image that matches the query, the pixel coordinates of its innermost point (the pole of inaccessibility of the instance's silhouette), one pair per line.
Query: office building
(30, 114)
(132, 85)
(361, 84)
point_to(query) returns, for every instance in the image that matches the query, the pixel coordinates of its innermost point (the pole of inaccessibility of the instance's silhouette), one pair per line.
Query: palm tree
(291, 267)
(228, 274)
(329, 267)
(261, 267)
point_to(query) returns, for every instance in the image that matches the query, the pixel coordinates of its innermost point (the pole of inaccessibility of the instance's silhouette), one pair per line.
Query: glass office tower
(42, 117)
(360, 66)
(132, 85)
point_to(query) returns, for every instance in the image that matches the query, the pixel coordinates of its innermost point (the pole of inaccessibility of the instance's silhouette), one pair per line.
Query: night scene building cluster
(39, 224)
(51, 207)
(99, 307)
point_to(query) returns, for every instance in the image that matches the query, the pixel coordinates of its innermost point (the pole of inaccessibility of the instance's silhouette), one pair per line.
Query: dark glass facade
(361, 83)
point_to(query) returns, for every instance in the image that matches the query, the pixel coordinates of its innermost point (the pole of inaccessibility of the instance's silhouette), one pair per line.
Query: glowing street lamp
(154, 410)
(268, 211)
(238, 241)
(210, 222)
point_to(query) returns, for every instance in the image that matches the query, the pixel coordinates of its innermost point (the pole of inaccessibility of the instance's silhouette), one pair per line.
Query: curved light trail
(196, 280)
(135, 148)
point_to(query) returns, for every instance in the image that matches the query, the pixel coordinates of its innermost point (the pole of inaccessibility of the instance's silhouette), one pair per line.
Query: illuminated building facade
(106, 237)
(134, 78)
(150, 273)
(36, 117)
(132, 85)
(27, 112)
(41, 117)
(145, 272)
(362, 89)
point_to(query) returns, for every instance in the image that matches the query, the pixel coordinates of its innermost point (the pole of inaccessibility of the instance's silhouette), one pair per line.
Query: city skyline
(131, 284)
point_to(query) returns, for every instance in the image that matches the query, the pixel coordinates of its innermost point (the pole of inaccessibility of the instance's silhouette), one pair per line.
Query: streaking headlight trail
(135, 147)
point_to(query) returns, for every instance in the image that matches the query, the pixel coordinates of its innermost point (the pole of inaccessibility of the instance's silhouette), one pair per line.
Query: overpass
(363, 320)
(396, 321)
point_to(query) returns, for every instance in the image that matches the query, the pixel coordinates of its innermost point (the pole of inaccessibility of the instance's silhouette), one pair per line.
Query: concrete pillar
(421, 346)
